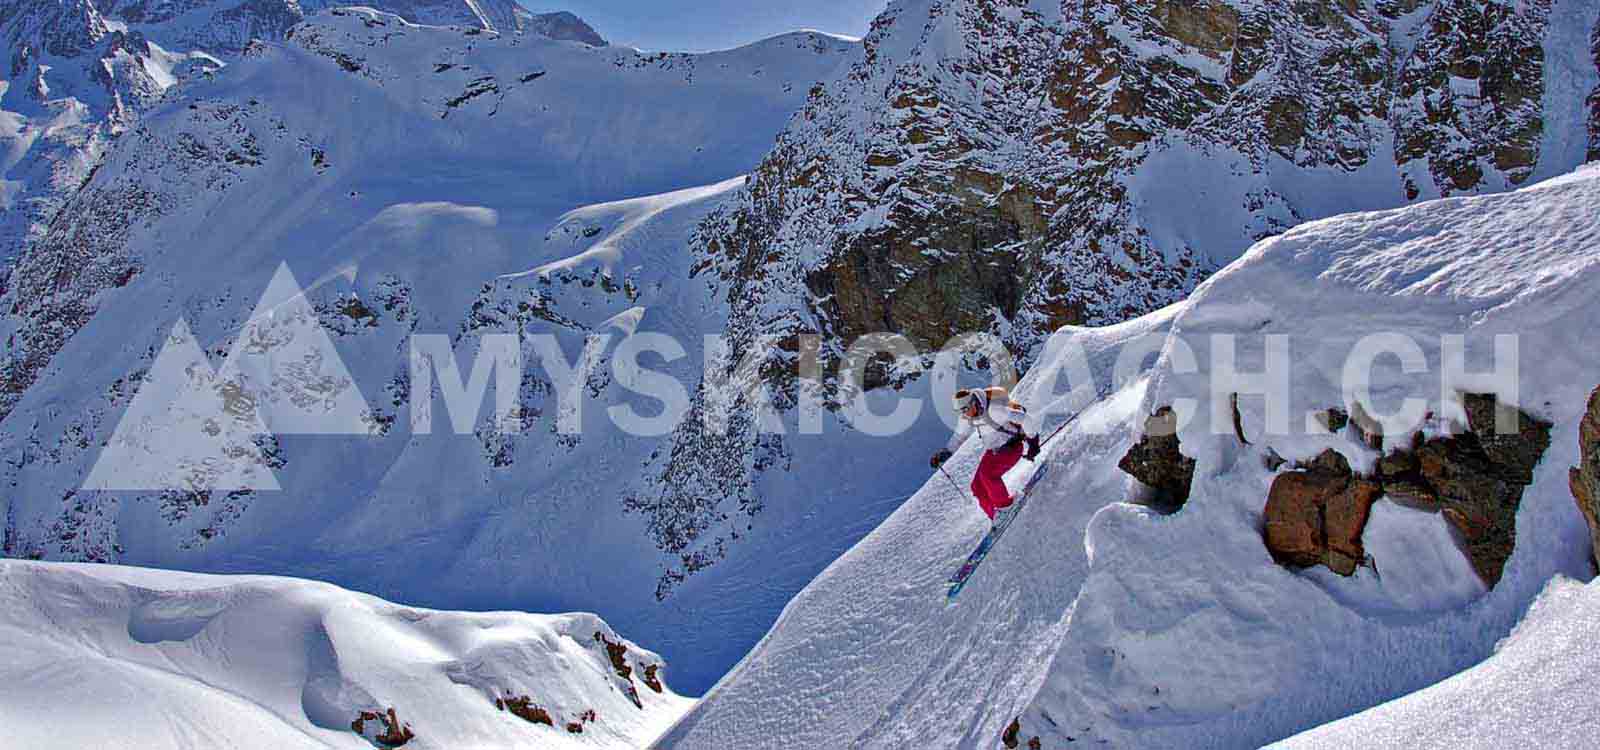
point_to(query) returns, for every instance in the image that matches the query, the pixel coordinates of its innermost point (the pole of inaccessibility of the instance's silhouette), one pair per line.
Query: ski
(958, 581)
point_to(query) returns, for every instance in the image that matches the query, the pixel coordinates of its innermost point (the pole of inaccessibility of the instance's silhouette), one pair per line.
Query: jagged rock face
(1157, 462)
(76, 84)
(993, 166)
(1467, 102)
(1585, 477)
(1594, 102)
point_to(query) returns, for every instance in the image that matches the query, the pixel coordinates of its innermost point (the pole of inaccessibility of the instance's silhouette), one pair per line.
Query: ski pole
(953, 481)
(1072, 419)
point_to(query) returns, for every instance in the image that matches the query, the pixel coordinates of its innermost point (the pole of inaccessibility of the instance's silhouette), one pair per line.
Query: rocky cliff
(1013, 166)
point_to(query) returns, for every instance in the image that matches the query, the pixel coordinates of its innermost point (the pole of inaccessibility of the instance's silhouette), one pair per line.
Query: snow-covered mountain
(397, 172)
(103, 656)
(1104, 618)
(1016, 165)
(79, 73)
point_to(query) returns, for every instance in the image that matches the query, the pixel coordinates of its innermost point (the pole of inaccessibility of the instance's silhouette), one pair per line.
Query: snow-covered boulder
(105, 656)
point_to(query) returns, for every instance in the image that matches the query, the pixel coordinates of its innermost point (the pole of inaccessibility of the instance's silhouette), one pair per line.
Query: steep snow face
(1100, 621)
(1013, 166)
(410, 179)
(96, 656)
(1535, 691)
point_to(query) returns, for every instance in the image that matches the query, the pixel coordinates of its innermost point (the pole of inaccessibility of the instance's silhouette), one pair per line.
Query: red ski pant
(989, 485)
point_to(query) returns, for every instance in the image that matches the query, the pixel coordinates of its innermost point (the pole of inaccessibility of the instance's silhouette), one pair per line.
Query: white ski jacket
(998, 422)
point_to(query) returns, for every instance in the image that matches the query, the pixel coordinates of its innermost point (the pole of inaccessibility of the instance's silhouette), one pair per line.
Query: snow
(1423, 568)
(1570, 76)
(102, 656)
(1101, 621)
(1537, 690)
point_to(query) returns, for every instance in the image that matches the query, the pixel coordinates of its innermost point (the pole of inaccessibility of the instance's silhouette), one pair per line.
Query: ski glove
(939, 458)
(1032, 451)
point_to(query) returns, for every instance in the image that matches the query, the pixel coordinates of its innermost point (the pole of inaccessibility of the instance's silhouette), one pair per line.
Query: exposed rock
(652, 678)
(999, 183)
(1157, 462)
(1585, 477)
(1012, 738)
(1468, 99)
(393, 734)
(618, 654)
(524, 708)
(1316, 515)
(584, 719)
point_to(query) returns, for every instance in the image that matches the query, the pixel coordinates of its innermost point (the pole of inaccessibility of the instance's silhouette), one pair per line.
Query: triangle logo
(187, 429)
(284, 359)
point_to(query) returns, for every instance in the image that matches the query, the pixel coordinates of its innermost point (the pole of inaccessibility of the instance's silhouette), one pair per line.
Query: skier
(998, 421)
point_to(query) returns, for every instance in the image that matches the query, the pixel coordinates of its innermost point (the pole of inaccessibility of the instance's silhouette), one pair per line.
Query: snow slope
(103, 656)
(1100, 620)
(1537, 690)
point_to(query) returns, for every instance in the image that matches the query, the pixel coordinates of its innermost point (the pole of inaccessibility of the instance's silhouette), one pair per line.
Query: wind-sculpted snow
(102, 656)
(1102, 622)
(1535, 691)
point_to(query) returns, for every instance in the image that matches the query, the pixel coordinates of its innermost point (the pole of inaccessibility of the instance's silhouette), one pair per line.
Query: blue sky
(697, 25)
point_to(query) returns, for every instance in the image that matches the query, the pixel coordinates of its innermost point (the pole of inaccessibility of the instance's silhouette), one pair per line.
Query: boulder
(1316, 514)
(1157, 462)
(1585, 477)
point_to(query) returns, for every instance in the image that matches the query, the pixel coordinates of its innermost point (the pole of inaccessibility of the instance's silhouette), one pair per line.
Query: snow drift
(103, 656)
(1101, 620)
(1536, 691)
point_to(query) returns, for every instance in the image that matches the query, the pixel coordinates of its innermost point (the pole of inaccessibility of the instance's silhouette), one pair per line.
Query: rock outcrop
(1585, 477)
(1316, 514)
(383, 728)
(1594, 103)
(1157, 462)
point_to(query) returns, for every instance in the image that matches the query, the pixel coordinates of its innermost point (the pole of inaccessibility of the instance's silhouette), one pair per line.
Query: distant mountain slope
(413, 179)
(101, 656)
(1111, 616)
(80, 72)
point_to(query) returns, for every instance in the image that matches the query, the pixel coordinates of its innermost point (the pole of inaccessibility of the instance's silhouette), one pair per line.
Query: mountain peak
(564, 26)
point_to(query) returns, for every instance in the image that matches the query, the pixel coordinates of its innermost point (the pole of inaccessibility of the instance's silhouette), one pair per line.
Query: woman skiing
(998, 421)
